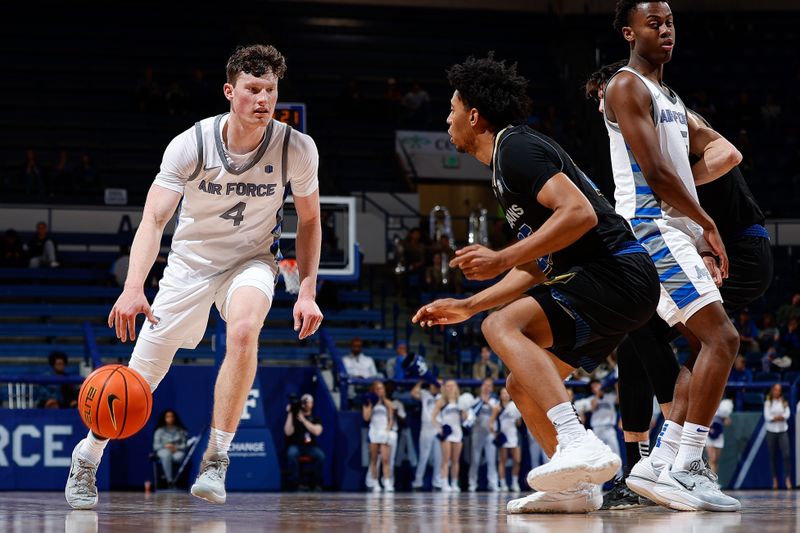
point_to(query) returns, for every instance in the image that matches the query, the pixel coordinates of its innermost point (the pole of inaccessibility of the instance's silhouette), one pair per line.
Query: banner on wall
(430, 155)
(35, 448)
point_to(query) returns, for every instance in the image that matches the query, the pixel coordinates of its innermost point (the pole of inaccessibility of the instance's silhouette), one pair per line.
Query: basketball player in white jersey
(649, 136)
(429, 448)
(481, 439)
(229, 174)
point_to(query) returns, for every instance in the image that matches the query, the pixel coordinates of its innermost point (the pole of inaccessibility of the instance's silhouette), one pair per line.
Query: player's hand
(478, 262)
(714, 240)
(128, 306)
(713, 269)
(441, 312)
(307, 317)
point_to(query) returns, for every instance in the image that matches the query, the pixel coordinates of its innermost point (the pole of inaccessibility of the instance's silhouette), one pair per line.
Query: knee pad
(152, 360)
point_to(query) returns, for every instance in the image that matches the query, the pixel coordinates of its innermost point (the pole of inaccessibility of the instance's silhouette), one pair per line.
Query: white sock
(92, 449)
(693, 440)
(566, 421)
(218, 442)
(667, 443)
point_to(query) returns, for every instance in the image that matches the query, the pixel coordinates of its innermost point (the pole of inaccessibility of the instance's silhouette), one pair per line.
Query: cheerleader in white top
(447, 417)
(377, 410)
(776, 416)
(504, 425)
(716, 437)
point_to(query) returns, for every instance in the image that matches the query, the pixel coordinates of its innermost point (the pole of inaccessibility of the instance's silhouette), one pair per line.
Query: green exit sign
(451, 161)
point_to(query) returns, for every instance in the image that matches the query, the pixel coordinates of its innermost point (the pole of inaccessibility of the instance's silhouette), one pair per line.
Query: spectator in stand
(12, 253)
(148, 92)
(435, 278)
(391, 100)
(770, 112)
(32, 175)
(769, 334)
(416, 103)
(414, 252)
(789, 310)
(394, 366)
(357, 364)
(57, 395)
(169, 443)
(62, 173)
(175, 99)
(776, 416)
(42, 249)
(790, 344)
(740, 372)
(86, 173)
(485, 367)
(748, 332)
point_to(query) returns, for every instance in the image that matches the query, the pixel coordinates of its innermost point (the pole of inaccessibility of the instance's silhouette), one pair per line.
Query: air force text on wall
(28, 445)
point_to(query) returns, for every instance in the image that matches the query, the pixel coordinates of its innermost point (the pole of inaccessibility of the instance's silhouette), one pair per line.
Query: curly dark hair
(623, 10)
(162, 419)
(600, 77)
(256, 59)
(493, 88)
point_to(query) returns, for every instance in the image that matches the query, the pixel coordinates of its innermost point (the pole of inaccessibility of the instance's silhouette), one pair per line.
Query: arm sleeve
(179, 162)
(527, 163)
(786, 412)
(303, 164)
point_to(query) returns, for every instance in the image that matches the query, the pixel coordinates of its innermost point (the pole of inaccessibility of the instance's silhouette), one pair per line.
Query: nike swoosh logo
(701, 430)
(212, 168)
(111, 399)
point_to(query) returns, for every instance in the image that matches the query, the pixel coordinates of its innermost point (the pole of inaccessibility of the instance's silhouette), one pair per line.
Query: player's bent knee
(243, 332)
(492, 328)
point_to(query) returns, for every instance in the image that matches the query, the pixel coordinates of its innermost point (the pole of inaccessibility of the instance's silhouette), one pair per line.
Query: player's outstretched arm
(453, 311)
(307, 315)
(158, 210)
(717, 155)
(628, 103)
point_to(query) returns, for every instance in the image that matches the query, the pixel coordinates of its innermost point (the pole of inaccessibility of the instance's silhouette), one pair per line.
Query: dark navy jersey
(523, 161)
(730, 203)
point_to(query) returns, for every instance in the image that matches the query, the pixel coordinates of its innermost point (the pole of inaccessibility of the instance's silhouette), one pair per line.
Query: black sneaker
(621, 497)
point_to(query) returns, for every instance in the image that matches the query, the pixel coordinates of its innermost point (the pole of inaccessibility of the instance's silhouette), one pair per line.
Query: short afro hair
(600, 77)
(493, 88)
(256, 59)
(622, 12)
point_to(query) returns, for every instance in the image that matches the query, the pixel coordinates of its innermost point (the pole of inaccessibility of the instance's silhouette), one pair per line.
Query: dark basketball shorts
(593, 306)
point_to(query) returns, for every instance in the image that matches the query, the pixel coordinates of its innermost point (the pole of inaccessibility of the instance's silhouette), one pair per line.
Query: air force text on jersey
(239, 189)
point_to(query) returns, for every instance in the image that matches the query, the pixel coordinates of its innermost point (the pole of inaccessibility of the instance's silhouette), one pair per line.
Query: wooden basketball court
(763, 511)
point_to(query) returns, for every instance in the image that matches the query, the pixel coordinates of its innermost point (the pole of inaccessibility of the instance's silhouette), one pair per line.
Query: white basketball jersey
(380, 417)
(230, 214)
(634, 197)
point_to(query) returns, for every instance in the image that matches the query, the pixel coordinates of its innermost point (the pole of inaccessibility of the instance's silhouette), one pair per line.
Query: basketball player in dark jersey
(646, 361)
(577, 280)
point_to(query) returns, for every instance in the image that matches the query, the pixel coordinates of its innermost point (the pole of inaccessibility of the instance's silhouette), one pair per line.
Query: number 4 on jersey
(236, 213)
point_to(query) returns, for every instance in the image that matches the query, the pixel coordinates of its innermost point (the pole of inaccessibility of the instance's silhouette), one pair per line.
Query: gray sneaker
(695, 489)
(81, 491)
(210, 482)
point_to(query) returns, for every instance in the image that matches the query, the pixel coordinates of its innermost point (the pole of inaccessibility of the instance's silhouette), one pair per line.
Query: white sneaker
(515, 485)
(695, 489)
(376, 487)
(81, 489)
(210, 482)
(454, 487)
(473, 488)
(584, 498)
(643, 478)
(586, 460)
(503, 487)
(445, 487)
(388, 485)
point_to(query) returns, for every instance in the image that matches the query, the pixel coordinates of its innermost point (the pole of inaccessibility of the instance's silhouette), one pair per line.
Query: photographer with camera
(301, 429)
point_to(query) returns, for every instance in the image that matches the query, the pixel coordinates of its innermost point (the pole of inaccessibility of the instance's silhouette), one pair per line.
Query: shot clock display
(293, 114)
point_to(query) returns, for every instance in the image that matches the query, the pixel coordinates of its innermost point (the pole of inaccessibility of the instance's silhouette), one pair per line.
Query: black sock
(632, 456)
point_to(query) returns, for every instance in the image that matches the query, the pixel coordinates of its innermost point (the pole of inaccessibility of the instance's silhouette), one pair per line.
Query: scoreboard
(293, 114)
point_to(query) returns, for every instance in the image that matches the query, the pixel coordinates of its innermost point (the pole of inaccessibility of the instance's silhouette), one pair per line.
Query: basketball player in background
(577, 283)
(230, 175)
(647, 362)
(650, 139)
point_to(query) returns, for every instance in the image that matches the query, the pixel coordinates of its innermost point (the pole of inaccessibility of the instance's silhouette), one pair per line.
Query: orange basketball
(115, 401)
